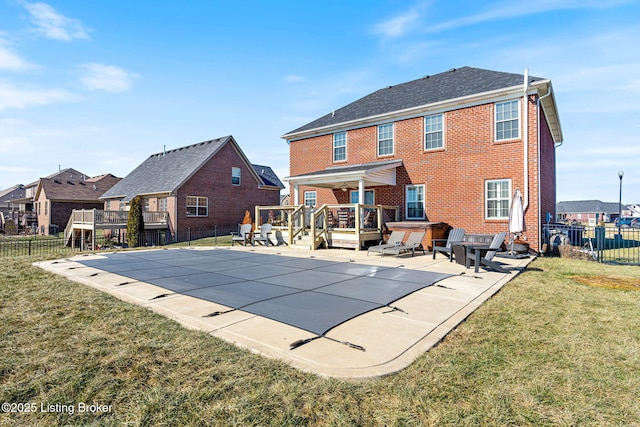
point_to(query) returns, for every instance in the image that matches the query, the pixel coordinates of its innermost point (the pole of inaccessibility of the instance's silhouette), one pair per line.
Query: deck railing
(100, 217)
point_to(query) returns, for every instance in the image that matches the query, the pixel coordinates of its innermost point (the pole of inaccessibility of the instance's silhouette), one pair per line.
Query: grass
(546, 350)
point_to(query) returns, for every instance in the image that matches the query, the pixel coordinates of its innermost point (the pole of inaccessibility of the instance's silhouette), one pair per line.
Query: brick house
(56, 198)
(203, 185)
(589, 212)
(451, 147)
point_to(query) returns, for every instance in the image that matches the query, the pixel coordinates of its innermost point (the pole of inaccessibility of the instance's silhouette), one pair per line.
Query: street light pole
(620, 175)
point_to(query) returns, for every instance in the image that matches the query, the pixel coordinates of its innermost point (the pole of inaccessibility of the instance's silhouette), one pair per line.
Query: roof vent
(69, 182)
(56, 181)
(82, 183)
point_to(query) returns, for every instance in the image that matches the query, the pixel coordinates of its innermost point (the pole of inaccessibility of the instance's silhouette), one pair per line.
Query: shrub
(135, 222)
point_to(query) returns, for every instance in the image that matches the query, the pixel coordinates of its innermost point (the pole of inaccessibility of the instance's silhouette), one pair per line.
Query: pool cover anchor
(302, 342)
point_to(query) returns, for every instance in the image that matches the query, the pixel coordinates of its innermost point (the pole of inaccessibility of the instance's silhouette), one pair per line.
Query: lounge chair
(244, 236)
(455, 235)
(265, 231)
(483, 254)
(413, 243)
(394, 239)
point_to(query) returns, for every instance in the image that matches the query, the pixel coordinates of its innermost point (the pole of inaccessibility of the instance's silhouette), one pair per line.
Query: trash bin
(600, 238)
(53, 229)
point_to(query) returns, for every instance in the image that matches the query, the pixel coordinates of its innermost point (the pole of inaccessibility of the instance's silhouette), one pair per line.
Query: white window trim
(365, 192)
(486, 199)
(233, 169)
(334, 147)
(197, 206)
(315, 197)
(495, 120)
(424, 145)
(406, 201)
(393, 137)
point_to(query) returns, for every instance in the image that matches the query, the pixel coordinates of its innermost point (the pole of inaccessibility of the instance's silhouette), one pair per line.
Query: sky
(99, 86)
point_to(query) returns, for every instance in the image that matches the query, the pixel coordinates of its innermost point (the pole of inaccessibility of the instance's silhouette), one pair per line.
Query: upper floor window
(108, 205)
(197, 206)
(339, 147)
(433, 132)
(162, 204)
(235, 176)
(385, 139)
(146, 204)
(310, 198)
(497, 197)
(415, 201)
(507, 120)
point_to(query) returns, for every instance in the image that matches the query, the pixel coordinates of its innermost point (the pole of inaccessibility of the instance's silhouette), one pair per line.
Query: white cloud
(9, 60)
(55, 26)
(398, 26)
(106, 77)
(292, 78)
(15, 97)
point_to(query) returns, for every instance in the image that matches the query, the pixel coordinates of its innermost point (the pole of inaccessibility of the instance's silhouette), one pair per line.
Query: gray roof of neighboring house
(268, 176)
(15, 192)
(452, 84)
(587, 206)
(167, 171)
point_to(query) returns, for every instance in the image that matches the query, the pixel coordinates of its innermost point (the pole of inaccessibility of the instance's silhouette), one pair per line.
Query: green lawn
(548, 349)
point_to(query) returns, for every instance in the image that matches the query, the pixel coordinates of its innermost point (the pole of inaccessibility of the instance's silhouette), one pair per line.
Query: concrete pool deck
(390, 339)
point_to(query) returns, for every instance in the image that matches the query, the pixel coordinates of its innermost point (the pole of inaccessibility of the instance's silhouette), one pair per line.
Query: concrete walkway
(392, 339)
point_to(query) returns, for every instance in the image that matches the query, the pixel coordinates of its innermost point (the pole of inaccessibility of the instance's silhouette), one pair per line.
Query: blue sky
(101, 85)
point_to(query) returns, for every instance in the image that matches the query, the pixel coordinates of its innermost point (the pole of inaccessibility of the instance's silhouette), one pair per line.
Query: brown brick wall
(454, 176)
(227, 202)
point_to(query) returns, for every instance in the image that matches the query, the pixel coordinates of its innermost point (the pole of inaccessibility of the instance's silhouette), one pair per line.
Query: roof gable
(166, 172)
(428, 90)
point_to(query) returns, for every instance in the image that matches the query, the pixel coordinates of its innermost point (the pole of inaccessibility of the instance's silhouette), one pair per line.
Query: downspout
(525, 141)
(538, 104)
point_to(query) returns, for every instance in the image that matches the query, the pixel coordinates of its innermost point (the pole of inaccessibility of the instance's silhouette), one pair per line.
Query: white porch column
(361, 191)
(295, 195)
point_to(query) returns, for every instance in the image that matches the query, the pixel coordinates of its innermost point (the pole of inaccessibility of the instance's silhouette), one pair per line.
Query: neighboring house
(9, 196)
(634, 209)
(589, 212)
(451, 147)
(203, 185)
(285, 200)
(56, 198)
(26, 206)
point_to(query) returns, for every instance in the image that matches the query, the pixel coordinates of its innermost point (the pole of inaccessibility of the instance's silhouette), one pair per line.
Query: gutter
(525, 140)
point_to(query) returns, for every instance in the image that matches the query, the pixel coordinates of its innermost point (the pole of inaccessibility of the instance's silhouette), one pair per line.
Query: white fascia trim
(421, 110)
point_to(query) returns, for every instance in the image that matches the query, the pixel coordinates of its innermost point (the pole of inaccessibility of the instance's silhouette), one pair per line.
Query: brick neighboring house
(56, 198)
(585, 211)
(203, 185)
(451, 147)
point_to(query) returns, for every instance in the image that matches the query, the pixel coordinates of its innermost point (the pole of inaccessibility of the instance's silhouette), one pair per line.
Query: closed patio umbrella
(516, 217)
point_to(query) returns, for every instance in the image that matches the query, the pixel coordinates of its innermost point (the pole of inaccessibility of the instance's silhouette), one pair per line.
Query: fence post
(189, 236)
(29, 246)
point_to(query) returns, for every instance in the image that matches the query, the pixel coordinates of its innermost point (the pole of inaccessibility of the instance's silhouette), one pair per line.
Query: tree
(135, 222)
(247, 219)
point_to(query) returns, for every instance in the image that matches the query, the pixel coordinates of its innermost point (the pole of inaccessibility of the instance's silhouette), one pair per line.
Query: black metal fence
(607, 244)
(44, 246)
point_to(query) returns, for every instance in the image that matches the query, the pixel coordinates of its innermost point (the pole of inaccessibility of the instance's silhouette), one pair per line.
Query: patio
(383, 339)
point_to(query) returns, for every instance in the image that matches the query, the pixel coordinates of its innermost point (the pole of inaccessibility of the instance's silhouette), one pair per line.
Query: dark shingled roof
(452, 84)
(165, 172)
(587, 206)
(268, 176)
(60, 189)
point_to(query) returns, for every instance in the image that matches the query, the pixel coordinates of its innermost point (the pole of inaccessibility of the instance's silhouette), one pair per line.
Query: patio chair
(265, 231)
(483, 254)
(413, 243)
(455, 235)
(394, 239)
(243, 236)
(370, 219)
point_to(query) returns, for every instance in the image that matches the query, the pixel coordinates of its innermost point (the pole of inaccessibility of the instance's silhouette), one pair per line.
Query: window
(146, 204)
(415, 201)
(497, 198)
(339, 147)
(108, 205)
(507, 120)
(368, 197)
(385, 139)
(310, 198)
(197, 206)
(235, 176)
(433, 133)
(162, 204)
(46, 207)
